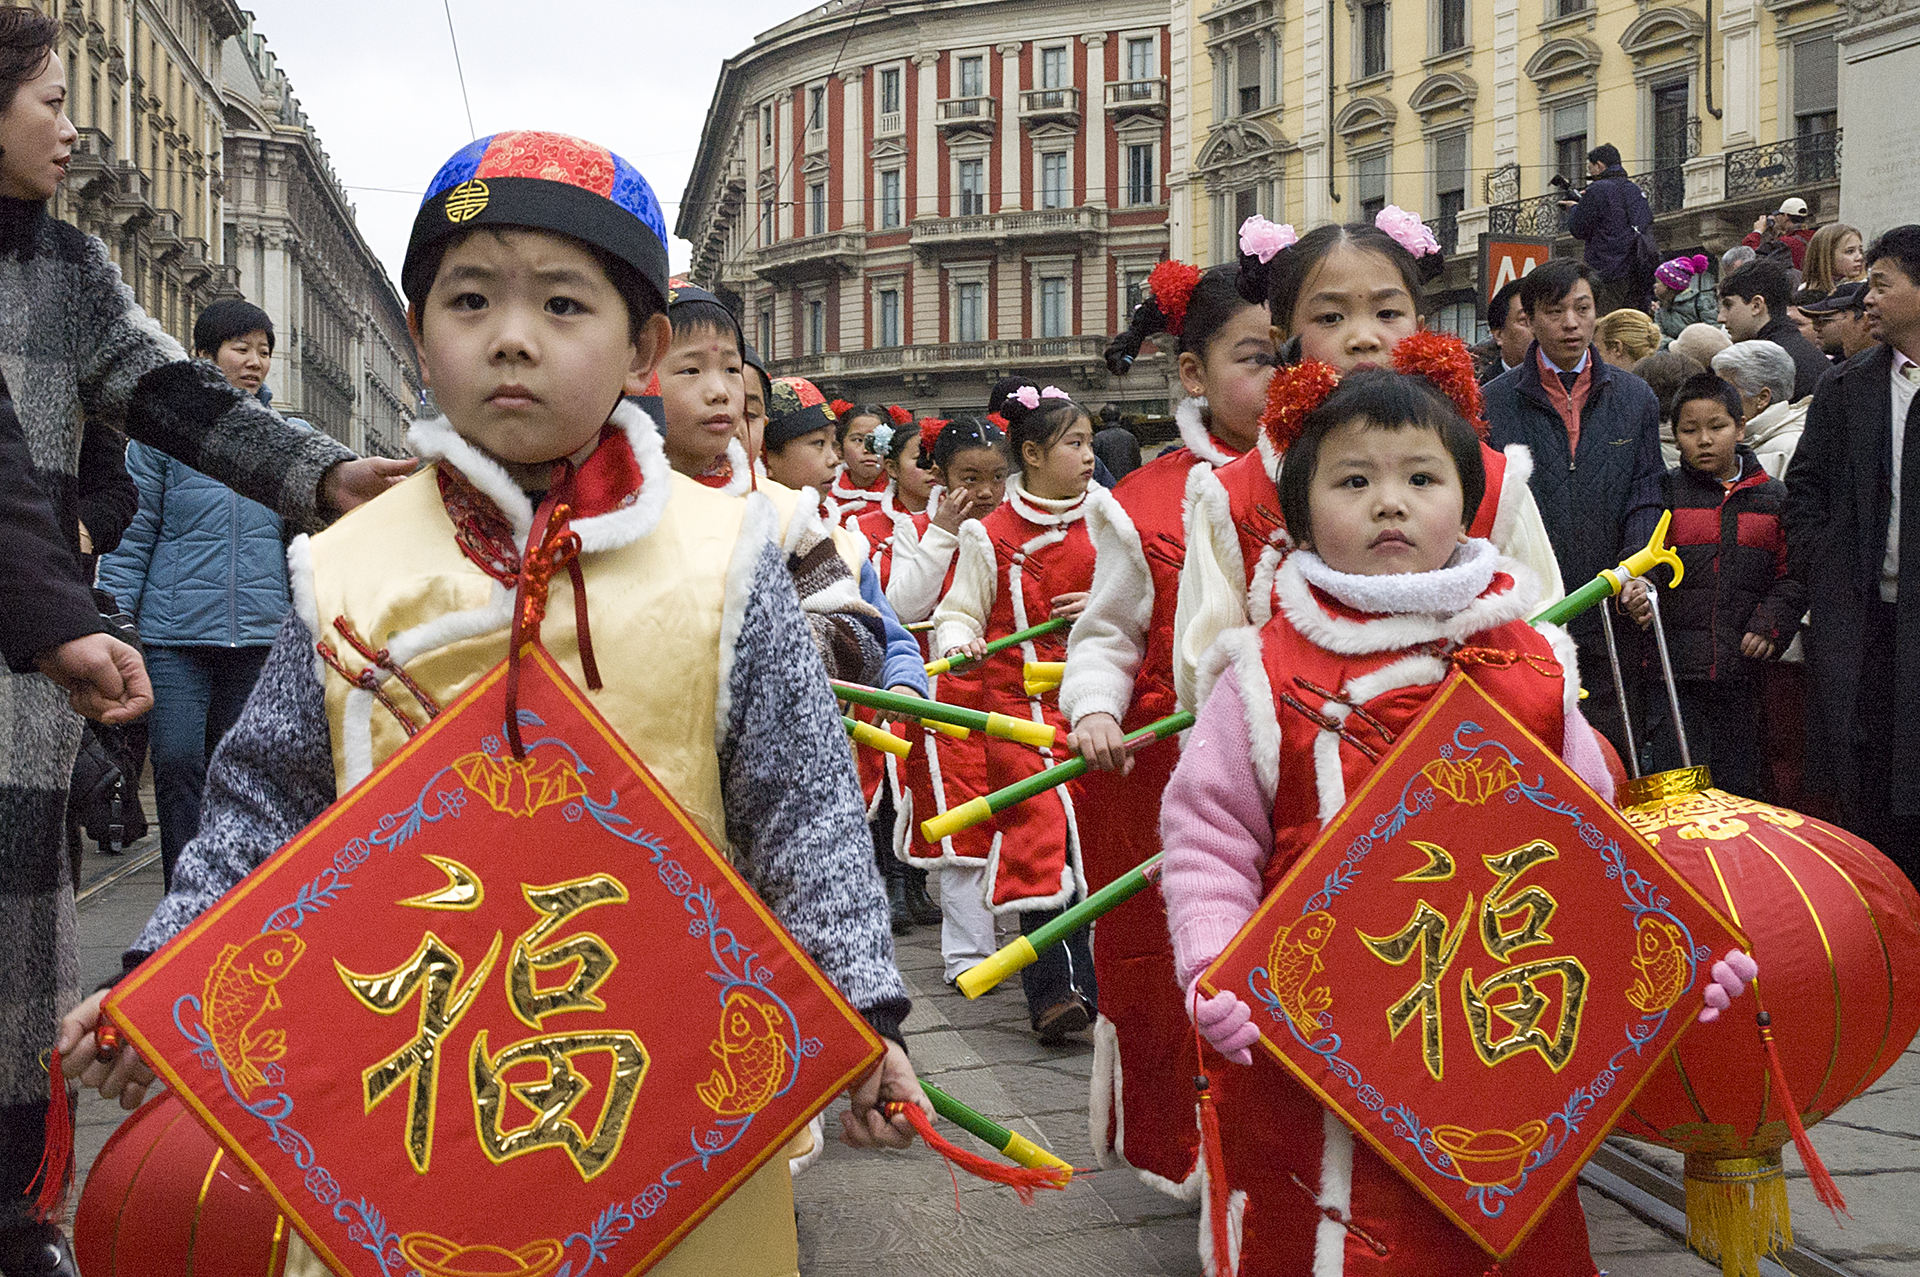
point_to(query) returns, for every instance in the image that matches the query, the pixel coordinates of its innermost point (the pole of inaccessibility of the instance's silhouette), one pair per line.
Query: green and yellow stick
(1015, 639)
(876, 738)
(971, 813)
(1025, 731)
(1023, 951)
(1012, 1144)
(1610, 581)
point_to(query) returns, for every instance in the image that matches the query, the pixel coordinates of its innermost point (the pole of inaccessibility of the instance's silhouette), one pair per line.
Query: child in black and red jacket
(1736, 606)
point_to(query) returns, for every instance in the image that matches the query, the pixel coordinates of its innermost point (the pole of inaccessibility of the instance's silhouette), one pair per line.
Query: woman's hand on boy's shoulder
(866, 1123)
(356, 482)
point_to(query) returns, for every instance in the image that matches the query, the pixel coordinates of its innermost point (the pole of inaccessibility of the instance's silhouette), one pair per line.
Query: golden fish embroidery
(1660, 956)
(753, 1056)
(1293, 961)
(239, 990)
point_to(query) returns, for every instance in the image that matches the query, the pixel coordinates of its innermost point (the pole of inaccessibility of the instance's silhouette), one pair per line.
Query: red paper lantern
(164, 1200)
(1835, 927)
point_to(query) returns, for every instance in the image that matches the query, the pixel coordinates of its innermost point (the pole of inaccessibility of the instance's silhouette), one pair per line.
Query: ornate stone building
(143, 89)
(344, 361)
(907, 201)
(1309, 112)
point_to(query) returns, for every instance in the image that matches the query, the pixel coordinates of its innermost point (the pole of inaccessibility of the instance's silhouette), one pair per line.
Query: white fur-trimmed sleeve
(919, 570)
(1212, 598)
(962, 615)
(300, 583)
(1520, 533)
(1107, 642)
(1580, 746)
(758, 529)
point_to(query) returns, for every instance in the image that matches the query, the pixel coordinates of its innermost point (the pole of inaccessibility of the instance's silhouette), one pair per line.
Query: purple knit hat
(1679, 272)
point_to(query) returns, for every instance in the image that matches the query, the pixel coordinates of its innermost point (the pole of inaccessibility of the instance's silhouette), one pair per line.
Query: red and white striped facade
(940, 195)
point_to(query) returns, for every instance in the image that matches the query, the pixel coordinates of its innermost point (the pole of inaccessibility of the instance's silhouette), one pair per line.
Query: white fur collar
(1047, 511)
(1415, 608)
(1191, 417)
(842, 491)
(740, 474)
(1270, 456)
(434, 439)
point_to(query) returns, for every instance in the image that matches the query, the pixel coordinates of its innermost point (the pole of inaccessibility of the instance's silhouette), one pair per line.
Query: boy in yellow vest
(536, 277)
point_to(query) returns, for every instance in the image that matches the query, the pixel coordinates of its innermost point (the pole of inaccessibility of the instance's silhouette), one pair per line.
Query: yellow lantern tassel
(1737, 1210)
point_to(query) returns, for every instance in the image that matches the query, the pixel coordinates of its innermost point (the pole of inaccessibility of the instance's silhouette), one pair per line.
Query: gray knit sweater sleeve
(793, 804)
(271, 775)
(135, 378)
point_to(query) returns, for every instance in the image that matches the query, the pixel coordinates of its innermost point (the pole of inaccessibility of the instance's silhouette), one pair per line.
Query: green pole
(1598, 590)
(1023, 730)
(1024, 950)
(946, 663)
(1012, 1143)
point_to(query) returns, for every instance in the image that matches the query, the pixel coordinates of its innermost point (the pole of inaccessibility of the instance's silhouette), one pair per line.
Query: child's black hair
(997, 397)
(1278, 281)
(1383, 400)
(642, 300)
(1215, 300)
(1709, 386)
(1665, 371)
(1041, 426)
(878, 411)
(964, 434)
(225, 320)
(699, 315)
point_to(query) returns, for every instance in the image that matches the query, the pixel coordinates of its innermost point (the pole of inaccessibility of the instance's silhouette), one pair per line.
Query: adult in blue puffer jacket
(203, 571)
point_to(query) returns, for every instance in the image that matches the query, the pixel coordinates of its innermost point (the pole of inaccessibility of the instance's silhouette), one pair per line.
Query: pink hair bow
(1053, 392)
(1264, 239)
(1027, 397)
(1407, 230)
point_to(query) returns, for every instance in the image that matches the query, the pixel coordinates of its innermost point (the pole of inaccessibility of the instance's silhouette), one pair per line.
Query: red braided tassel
(1021, 1179)
(56, 1161)
(1823, 1186)
(1216, 1164)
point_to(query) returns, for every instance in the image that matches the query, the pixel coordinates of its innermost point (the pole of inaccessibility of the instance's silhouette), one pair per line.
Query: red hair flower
(841, 407)
(901, 417)
(1291, 395)
(1443, 360)
(930, 428)
(1172, 284)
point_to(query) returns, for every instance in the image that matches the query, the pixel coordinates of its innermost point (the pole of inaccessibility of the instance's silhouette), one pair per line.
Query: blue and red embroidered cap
(545, 181)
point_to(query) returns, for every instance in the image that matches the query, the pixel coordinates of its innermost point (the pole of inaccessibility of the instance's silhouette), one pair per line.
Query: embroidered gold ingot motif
(1294, 961)
(1489, 1158)
(590, 956)
(433, 1256)
(1524, 1013)
(520, 786)
(462, 892)
(435, 972)
(1471, 781)
(1426, 933)
(238, 992)
(1660, 956)
(753, 1055)
(467, 201)
(553, 1095)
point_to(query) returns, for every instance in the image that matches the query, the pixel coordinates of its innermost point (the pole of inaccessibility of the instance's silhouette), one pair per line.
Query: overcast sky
(377, 79)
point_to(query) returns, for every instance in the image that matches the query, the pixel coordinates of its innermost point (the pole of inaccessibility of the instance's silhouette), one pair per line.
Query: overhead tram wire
(459, 69)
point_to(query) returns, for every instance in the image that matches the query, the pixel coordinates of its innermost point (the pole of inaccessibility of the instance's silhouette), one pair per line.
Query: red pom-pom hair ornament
(998, 422)
(1172, 285)
(841, 407)
(930, 428)
(900, 416)
(1291, 395)
(1443, 360)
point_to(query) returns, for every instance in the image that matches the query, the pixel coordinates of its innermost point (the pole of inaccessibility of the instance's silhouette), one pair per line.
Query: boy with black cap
(537, 279)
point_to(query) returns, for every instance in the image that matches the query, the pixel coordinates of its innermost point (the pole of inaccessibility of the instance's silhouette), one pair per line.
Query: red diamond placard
(1476, 965)
(497, 1015)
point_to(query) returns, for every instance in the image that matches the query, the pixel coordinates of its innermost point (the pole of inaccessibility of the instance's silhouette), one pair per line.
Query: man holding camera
(1786, 229)
(1613, 217)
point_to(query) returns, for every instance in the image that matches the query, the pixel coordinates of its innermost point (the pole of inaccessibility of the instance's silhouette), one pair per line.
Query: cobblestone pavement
(895, 1214)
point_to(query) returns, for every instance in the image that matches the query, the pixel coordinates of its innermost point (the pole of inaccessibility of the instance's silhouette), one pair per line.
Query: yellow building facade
(1465, 110)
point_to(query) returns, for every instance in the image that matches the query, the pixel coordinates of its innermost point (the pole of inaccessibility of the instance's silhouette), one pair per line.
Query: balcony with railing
(1446, 229)
(1541, 215)
(1050, 106)
(954, 115)
(1034, 355)
(932, 235)
(1792, 164)
(811, 256)
(1138, 97)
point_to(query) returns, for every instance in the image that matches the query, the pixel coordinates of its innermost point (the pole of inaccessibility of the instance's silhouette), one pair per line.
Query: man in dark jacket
(1855, 472)
(1609, 216)
(1753, 307)
(1594, 431)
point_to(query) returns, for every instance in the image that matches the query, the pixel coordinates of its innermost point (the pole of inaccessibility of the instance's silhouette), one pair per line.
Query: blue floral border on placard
(1642, 897)
(737, 968)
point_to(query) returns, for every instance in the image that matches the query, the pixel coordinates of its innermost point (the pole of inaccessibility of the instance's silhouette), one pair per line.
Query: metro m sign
(1505, 258)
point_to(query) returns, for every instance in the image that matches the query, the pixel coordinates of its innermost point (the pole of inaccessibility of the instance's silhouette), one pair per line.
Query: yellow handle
(946, 729)
(1023, 730)
(997, 966)
(1642, 561)
(886, 742)
(1026, 1153)
(1044, 671)
(936, 668)
(954, 819)
(1042, 687)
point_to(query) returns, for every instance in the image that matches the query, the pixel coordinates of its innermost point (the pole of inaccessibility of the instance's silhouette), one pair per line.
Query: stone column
(1094, 112)
(1879, 61)
(853, 151)
(926, 143)
(1316, 123)
(1506, 83)
(1012, 144)
(1189, 111)
(1740, 40)
(786, 131)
